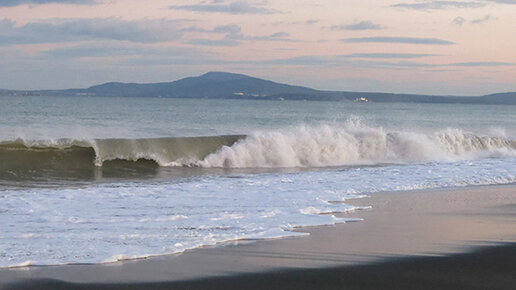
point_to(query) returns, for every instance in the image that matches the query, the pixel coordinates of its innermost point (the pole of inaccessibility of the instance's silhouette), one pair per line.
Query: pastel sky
(410, 46)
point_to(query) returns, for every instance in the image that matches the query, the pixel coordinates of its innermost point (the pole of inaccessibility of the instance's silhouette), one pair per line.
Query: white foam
(355, 144)
(21, 264)
(109, 222)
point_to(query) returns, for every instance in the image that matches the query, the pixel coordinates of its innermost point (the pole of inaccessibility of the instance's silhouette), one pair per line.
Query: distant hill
(237, 86)
(209, 85)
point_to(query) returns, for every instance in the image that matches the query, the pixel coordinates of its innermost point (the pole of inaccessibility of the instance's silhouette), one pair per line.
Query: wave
(33, 159)
(303, 146)
(355, 144)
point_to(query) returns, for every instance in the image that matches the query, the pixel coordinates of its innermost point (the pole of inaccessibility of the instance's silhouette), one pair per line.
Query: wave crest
(355, 145)
(303, 146)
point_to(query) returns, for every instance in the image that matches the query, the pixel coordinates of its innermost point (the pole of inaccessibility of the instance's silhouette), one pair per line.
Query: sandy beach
(461, 238)
(252, 144)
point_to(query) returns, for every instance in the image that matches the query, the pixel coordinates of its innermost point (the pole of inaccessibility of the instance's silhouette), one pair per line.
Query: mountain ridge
(224, 85)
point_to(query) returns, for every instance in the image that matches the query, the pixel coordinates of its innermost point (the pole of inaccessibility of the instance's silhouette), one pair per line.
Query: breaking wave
(355, 145)
(77, 154)
(303, 146)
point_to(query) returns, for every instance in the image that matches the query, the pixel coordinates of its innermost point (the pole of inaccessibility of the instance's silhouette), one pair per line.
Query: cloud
(485, 63)
(407, 40)
(437, 5)
(278, 36)
(233, 36)
(238, 7)
(120, 54)
(102, 49)
(363, 25)
(63, 30)
(229, 28)
(503, 1)
(342, 61)
(169, 60)
(282, 23)
(94, 51)
(235, 39)
(306, 60)
(387, 55)
(10, 3)
(483, 19)
(459, 20)
(214, 42)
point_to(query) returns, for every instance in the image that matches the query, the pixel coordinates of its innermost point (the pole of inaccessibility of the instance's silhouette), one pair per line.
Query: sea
(99, 180)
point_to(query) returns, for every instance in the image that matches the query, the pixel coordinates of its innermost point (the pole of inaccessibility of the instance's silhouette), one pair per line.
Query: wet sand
(446, 239)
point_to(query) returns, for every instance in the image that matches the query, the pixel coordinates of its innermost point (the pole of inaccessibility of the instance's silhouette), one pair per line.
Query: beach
(459, 238)
(238, 144)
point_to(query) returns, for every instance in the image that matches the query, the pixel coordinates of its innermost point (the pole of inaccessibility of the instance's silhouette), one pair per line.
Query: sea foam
(93, 224)
(355, 144)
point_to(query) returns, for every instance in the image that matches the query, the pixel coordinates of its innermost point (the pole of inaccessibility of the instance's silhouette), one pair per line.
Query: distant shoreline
(222, 85)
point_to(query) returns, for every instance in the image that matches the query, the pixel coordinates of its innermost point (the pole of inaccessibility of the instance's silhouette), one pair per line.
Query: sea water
(91, 179)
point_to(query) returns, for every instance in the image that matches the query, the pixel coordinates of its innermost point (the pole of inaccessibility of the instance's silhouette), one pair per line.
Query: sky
(400, 46)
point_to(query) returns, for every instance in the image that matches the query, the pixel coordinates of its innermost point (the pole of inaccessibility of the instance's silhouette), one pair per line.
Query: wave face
(81, 159)
(163, 151)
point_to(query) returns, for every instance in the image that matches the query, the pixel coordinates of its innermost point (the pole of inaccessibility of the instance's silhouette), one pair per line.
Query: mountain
(209, 85)
(238, 86)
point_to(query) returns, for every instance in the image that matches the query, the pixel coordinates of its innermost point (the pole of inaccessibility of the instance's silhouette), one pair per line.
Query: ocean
(98, 180)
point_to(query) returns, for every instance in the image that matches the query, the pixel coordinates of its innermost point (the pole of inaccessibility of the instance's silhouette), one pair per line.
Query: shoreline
(400, 228)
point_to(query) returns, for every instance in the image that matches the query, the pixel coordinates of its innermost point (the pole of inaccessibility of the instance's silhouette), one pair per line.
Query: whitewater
(163, 176)
(107, 222)
(301, 146)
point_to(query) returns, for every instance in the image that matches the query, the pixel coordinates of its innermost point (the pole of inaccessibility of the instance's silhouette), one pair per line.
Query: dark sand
(446, 239)
(490, 268)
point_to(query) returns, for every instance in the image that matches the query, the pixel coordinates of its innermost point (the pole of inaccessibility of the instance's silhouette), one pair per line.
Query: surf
(85, 159)
(348, 146)
(352, 144)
